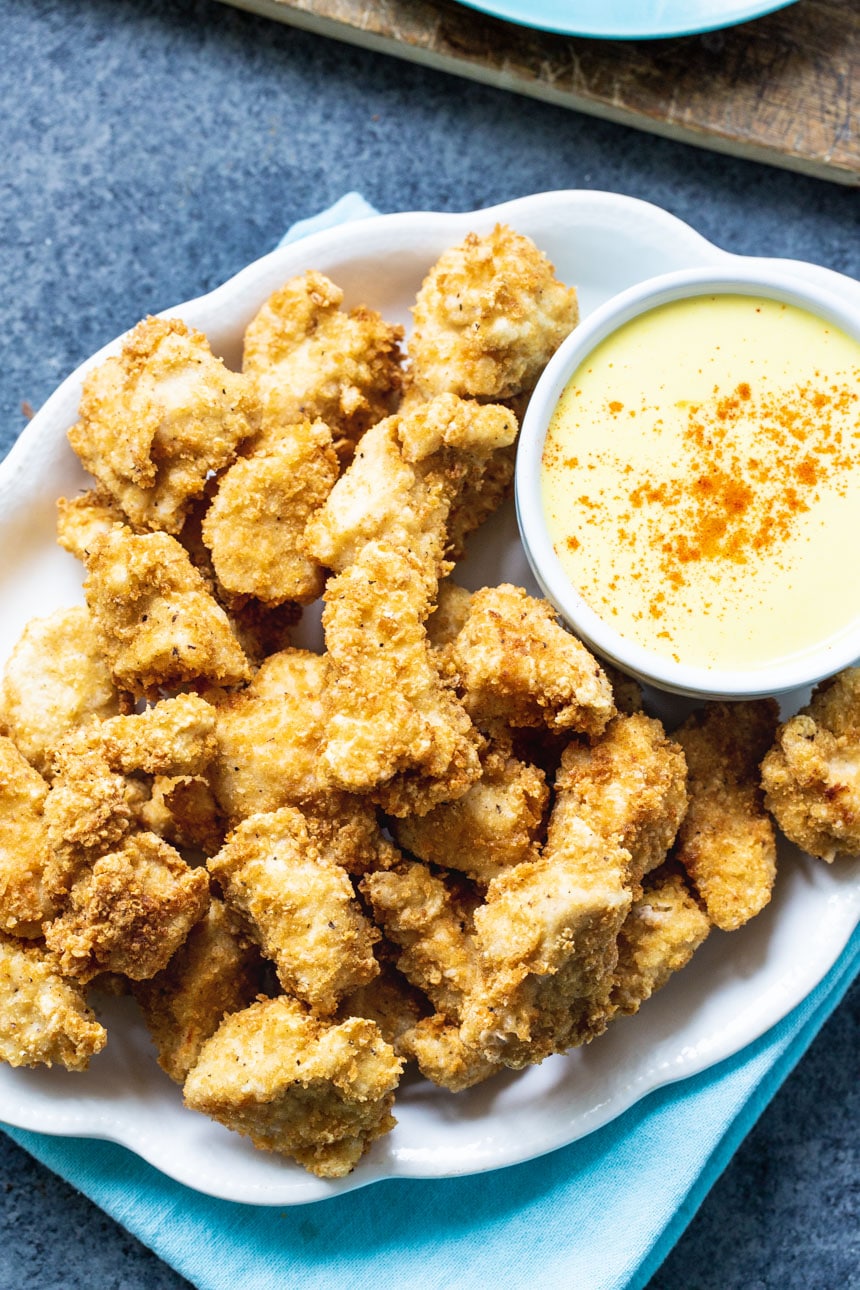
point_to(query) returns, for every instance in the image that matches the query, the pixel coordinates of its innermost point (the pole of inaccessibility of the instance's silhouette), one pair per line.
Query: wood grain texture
(784, 89)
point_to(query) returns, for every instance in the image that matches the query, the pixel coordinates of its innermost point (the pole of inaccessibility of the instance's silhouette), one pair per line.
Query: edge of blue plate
(624, 19)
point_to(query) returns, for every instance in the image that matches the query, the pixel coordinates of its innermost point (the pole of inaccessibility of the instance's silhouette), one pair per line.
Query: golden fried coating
(98, 795)
(443, 1056)
(308, 358)
(661, 933)
(450, 613)
(726, 842)
(216, 972)
(182, 809)
(316, 1092)
(88, 812)
(260, 629)
(515, 663)
(55, 679)
(811, 776)
(388, 713)
(255, 525)
(173, 737)
(428, 917)
(471, 431)
(24, 899)
(346, 830)
(159, 625)
(482, 492)
(547, 935)
(84, 519)
(494, 825)
(407, 474)
(157, 418)
(299, 907)
(380, 497)
(629, 786)
(548, 930)
(474, 447)
(43, 1017)
(130, 912)
(270, 738)
(489, 316)
(389, 1001)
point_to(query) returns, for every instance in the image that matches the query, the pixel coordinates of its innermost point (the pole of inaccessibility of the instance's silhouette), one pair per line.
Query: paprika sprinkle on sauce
(701, 480)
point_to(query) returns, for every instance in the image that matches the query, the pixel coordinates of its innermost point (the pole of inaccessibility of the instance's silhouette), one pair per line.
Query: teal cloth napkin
(601, 1214)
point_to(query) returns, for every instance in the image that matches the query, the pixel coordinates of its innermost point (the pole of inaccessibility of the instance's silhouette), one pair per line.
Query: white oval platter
(737, 986)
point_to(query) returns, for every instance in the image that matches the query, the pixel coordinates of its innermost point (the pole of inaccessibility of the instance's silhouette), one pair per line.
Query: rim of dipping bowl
(819, 661)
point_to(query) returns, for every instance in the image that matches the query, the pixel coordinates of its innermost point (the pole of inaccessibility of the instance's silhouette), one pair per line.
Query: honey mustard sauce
(701, 481)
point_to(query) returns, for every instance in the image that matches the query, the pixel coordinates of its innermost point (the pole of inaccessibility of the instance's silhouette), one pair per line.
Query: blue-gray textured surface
(150, 148)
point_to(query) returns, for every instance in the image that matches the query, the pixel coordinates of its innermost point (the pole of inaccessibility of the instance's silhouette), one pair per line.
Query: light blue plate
(627, 19)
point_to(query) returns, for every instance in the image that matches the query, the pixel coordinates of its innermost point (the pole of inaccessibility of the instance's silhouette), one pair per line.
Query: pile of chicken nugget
(452, 838)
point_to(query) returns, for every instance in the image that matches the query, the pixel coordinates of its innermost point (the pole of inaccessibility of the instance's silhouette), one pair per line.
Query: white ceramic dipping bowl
(823, 658)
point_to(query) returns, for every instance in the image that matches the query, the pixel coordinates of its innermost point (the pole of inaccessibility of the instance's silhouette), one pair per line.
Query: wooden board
(777, 90)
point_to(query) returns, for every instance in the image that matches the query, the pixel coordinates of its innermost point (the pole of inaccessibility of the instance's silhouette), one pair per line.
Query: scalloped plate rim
(290, 1186)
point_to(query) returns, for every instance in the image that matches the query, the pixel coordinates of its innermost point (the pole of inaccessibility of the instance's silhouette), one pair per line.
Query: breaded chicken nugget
(387, 710)
(485, 478)
(86, 518)
(548, 932)
(130, 912)
(450, 613)
(173, 737)
(469, 429)
(488, 317)
(159, 625)
(494, 825)
(389, 1001)
(428, 917)
(505, 975)
(629, 786)
(216, 972)
(270, 737)
(160, 416)
(443, 1056)
(380, 497)
(482, 492)
(317, 1092)
(474, 446)
(43, 1017)
(24, 899)
(547, 935)
(515, 663)
(98, 795)
(55, 679)
(308, 358)
(811, 776)
(726, 842)
(426, 459)
(299, 907)
(255, 525)
(345, 828)
(659, 936)
(182, 809)
(89, 810)
(260, 629)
